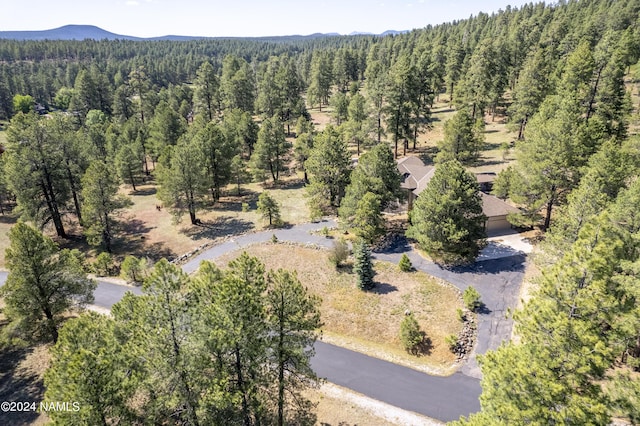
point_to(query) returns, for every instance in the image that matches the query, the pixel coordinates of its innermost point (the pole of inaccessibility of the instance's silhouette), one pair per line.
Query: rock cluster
(466, 338)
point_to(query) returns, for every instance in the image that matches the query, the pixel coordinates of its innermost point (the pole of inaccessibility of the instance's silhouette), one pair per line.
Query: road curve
(443, 398)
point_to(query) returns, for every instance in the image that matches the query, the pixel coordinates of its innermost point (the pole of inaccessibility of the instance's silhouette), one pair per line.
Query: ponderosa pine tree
(207, 91)
(35, 171)
(293, 317)
(447, 219)
(127, 163)
(269, 208)
(101, 201)
(463, 138)
(271, 149)
(183, 182)
(377, 173)
(89, 367)
(328, 166)
(572, 331)
(217, 151)
(44, 283)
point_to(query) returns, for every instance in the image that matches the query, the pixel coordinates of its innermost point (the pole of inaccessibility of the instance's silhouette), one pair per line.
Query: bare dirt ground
(370, 321)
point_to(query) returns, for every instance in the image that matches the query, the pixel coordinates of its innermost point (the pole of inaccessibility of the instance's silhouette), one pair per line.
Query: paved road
(444, 398)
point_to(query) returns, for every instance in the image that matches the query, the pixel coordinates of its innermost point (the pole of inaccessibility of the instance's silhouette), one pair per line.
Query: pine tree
(127, 163)
(377, 173)
(183, 183)
(101, 201)
(362, 266)
(293, 317)
(368, 222)
(44, 283)
(207, 91)
(217, 151)
(88, 368)
(463, 139)
(410, 334)
(269, 209)
(271, 149)
(447, 219)
(328, 166)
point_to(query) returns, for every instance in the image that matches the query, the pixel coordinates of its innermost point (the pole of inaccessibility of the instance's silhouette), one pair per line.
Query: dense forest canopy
(197, 116)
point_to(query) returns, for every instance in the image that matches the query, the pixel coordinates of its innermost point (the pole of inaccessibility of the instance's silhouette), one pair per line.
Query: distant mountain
(393, 32)
(83, 32)
(68, 32)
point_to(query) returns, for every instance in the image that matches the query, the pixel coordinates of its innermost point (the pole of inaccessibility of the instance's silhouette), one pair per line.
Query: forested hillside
(197, 120)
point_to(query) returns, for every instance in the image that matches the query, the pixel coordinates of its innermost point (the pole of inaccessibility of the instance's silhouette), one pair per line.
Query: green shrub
(405, 263)
(325, 231)
(410, 334)
(245, 207)
(471, 299)
(339, 253)
(133, 269)
(103, 265)
(452, 341)
(461, 315)
(274, 239)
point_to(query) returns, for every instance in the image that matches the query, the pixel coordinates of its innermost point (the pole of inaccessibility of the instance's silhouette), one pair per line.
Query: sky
(240, 18)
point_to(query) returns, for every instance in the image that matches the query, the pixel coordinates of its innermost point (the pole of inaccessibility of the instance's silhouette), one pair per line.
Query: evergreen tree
(44, 283)
(35, 172)
(101, 201)
(328, 168)
(293, 317)
(362, 266)
(127, 163)
(368, 222)
(447, 219)
(410, 334)
(271, 148)
(183, 181)
(269, 208)
(217, 152)
(463, 138)
(237, 84)
(88, 368)
(377, 173)
(207, 91)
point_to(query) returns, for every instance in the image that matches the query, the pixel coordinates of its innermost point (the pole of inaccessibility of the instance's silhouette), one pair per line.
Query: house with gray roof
(416, 176)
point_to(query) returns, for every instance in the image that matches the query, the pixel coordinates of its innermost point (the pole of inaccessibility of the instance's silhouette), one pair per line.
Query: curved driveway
(444, 398)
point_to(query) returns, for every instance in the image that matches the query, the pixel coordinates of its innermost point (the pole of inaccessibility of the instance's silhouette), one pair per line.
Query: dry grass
(332, 411)
(370, 321)
(337, 406)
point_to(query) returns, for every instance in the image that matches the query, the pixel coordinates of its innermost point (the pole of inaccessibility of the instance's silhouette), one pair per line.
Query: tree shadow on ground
(17, 384)
(221, 227)
(8, 219)
(401, 245)
(483, 163)
(483, 309)
(384, 288)
(144, 192)
(423, 348)
(134, 227)
(137, 246)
